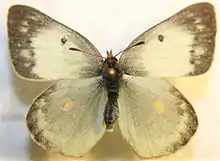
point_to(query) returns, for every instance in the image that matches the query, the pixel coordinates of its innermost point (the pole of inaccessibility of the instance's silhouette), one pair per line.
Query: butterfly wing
(155, 118)
(68, 116)
(39, 47)
(182, 45)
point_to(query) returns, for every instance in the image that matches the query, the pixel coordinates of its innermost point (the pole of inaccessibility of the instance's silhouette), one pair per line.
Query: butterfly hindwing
(68, 116)
(39, 47)
(155, 118)
(182, 45)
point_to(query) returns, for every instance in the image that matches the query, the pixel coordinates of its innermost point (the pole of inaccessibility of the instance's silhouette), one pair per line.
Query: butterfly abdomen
(111, 111)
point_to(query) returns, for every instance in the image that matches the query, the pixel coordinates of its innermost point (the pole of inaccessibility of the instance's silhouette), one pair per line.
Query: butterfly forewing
(39, 47)
(68, 116)
(182, 45)
(155, 118)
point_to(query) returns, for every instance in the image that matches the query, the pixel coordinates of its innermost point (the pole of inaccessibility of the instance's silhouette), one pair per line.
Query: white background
(108, 25)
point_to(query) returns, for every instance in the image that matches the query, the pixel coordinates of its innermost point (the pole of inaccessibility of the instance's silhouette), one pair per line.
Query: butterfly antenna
(137, 44)
(85, 52)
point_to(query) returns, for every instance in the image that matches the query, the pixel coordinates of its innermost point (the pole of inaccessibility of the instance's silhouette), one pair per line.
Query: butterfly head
(111, 65)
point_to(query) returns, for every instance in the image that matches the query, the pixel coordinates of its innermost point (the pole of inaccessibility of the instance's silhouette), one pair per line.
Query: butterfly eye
(161, 38)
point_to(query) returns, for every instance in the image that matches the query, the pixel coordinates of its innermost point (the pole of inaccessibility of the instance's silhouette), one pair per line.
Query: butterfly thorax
(112, 74)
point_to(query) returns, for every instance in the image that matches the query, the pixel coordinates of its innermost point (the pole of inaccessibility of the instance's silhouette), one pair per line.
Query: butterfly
(90, 93)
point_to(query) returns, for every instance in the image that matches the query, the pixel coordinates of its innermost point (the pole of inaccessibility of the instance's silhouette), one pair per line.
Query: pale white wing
(39, 47)
(182, 45)
(68, 117)
(155, 118)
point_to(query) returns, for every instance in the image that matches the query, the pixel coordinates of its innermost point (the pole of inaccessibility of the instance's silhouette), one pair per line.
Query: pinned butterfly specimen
(91, 93)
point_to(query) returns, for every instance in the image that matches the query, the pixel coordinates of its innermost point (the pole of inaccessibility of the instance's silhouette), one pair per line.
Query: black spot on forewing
(63, 40)
(23, 24)
(160, 38)
(200, 21)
